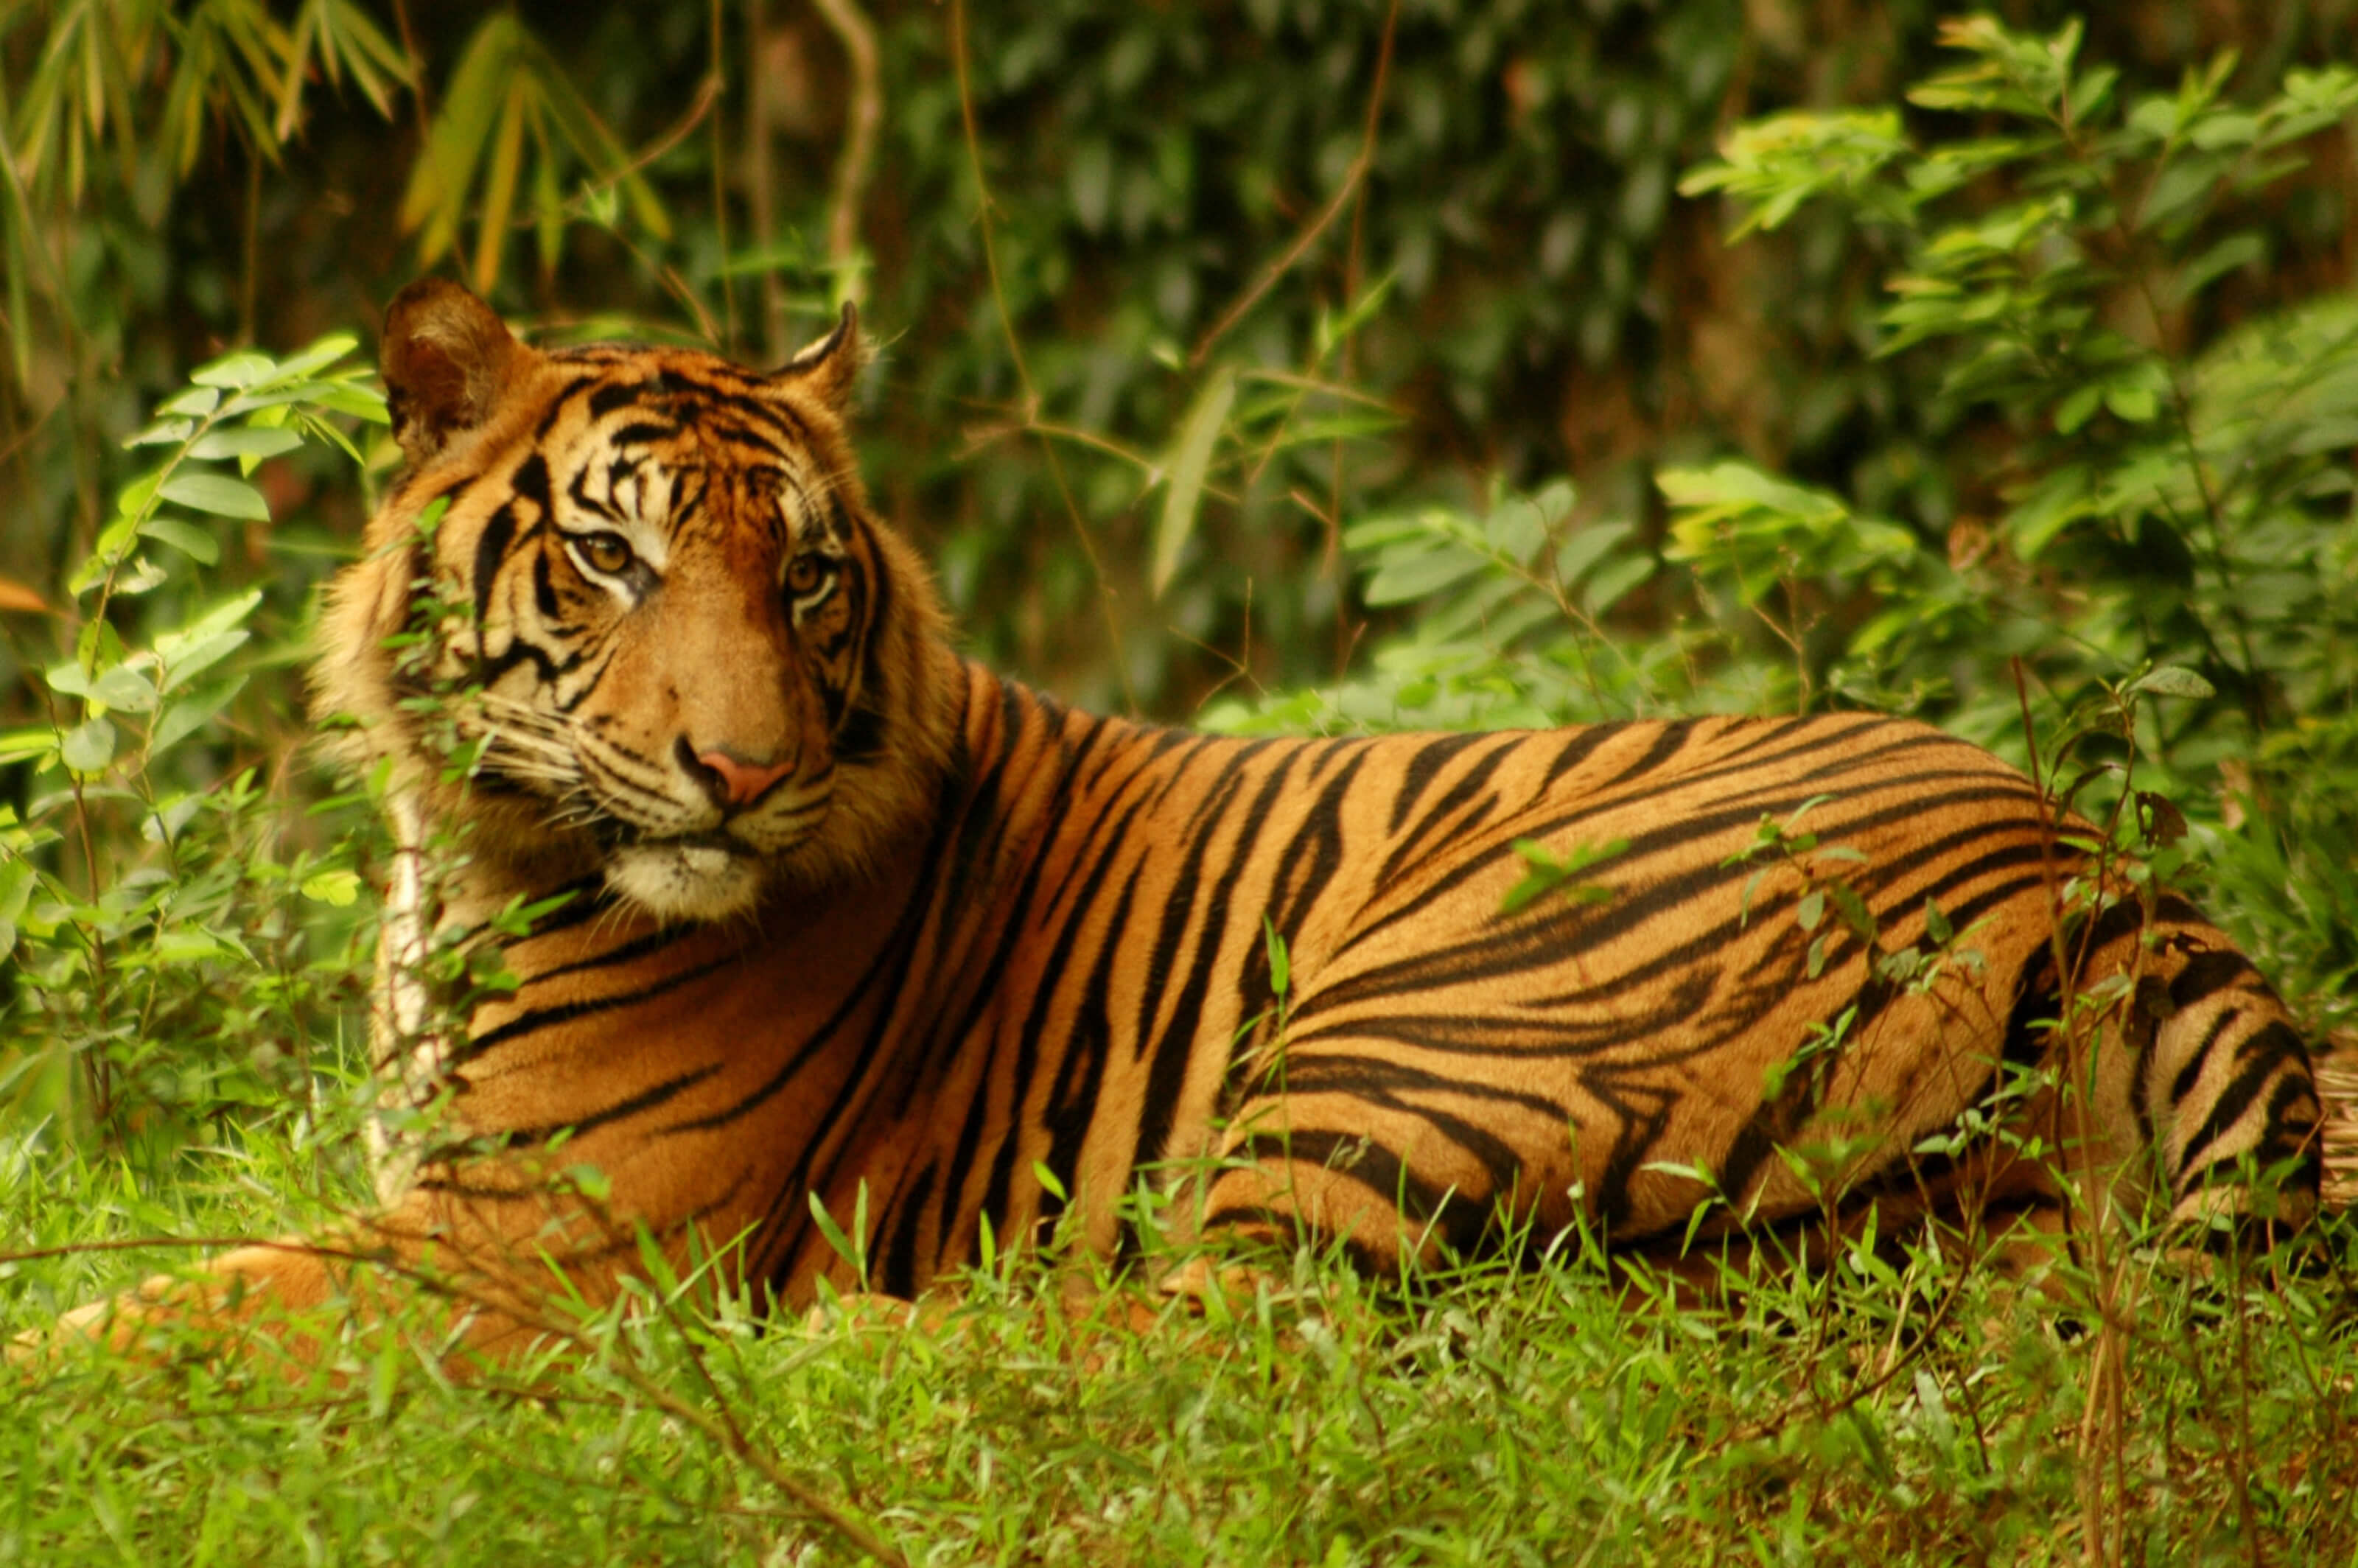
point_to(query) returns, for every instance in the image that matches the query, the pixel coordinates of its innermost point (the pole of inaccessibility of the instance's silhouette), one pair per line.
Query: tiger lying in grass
(846, 912)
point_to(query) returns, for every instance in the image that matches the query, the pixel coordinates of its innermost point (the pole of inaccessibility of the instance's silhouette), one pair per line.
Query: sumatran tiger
(827, 910)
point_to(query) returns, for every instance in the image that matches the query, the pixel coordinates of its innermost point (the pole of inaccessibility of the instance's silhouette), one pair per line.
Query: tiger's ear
(830, 366)
(446, 359)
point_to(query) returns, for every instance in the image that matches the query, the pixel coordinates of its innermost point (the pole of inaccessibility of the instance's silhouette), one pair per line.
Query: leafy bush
(2161, 509)
(185, 944)
(2086, 458)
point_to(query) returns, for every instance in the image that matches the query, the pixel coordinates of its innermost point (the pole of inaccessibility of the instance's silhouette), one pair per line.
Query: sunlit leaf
(244, 441)
(217, 493)
(338, 888)
(88, 748)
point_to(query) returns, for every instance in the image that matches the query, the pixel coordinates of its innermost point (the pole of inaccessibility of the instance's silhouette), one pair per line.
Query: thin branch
(1318, 225)
(416, 75)
(716, 81)
(707, 93)
(761, 195)
(853, 167)
(983, 206)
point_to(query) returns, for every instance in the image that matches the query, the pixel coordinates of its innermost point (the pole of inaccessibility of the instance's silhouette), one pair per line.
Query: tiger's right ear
(446, 358)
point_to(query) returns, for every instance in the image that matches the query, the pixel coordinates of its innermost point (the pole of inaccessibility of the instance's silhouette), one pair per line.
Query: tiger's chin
(688, 879)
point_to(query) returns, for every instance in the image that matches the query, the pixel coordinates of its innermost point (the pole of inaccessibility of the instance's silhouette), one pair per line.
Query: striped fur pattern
(849, 914)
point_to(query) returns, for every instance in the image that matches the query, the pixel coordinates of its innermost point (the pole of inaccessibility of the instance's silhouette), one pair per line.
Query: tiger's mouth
(696, 876)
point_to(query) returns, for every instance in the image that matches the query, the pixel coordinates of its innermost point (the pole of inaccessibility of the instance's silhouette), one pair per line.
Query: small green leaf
(22, 745)
(192, 659)
(2173, 680)
(318, 356)
(1853, 909)
(1580, 554)
(190, 945)
(125, 687)
(1612, 582)
(16, 883)
(1418, 571)
(337, 888)
(178, 718)
(198, 401)
(239, 371)
(384, 1378)
(68, 679)
(90, 746)
(246, 441)
(184, 538)
(217, 493)
(844, 1246)
(164, 433)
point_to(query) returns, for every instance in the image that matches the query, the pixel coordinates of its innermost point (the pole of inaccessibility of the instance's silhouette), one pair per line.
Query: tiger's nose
(729, 779)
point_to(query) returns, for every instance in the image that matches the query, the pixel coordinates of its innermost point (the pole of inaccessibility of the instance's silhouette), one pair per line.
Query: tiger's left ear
(829, 367)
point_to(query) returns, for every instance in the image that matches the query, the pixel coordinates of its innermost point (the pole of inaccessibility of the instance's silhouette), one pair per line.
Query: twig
(417, 74)
(983, 205)
(716, 82)
(707, 93)
(1361, 163)
(1346, 633)
(858, 36)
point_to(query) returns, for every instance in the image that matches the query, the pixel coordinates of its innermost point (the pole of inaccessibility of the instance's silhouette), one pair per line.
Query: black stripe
(2261, 1055)
(491, 554)
(1423, 768)
(479, 1045)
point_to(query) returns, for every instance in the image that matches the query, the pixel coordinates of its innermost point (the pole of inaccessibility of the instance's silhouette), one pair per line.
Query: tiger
(803, 912)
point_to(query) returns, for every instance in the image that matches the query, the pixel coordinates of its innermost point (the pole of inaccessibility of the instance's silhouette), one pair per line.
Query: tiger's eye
(607, 553)
(806, 575)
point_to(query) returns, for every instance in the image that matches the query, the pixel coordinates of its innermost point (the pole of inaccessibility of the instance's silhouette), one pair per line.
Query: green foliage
(2038, 428)
(1895, 1403)
(1555, 873)
(2166, 569)
(180, 952)
(507, 92)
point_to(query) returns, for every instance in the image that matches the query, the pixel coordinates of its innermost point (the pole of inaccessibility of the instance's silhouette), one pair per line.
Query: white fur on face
(685, 880)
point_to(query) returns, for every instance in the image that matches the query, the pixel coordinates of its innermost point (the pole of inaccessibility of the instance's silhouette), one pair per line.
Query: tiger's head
(644, 591)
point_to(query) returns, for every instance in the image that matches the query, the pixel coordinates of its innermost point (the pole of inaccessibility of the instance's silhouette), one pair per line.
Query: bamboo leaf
(438, 187)
(500, 185)
(1190, 457)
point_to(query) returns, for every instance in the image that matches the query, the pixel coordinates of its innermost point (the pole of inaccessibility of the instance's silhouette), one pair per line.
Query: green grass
(1897, 1408)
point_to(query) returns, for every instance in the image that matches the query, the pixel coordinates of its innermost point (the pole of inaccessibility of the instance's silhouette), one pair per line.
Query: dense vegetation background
(1332, 364)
